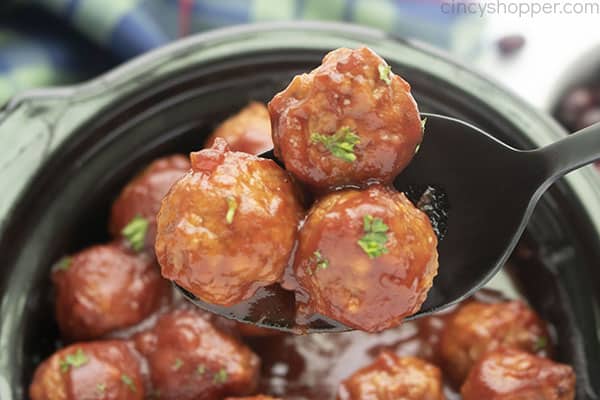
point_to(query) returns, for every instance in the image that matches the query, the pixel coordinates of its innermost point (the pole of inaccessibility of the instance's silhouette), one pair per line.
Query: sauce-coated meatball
(365, 258)
(510, 374)
(227, 227)
(393, 377)
(349, 121)
(476, 328)
(96, 370)
(139, 202)
(105, 288)
(190, 359)
(249, 130)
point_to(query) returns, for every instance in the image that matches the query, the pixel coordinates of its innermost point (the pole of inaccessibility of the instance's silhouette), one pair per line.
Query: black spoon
(483, 193)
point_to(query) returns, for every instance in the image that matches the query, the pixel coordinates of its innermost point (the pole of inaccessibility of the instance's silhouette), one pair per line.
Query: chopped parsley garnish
(340, 144)
(540, 343)
(128, 382)
(231, 207)
(385, 73)
(200, 369)
(135, 232)
(220, 376)
(101, 387)
(63, 264)
(375, 238)
(177, 364)
(74, 360)
(321, 261)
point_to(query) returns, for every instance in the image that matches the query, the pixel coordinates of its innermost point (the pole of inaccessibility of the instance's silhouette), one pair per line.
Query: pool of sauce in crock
(312, 366)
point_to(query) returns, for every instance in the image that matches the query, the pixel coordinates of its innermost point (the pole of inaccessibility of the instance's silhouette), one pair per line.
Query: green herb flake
(231, 207)
(101, 388)
(322, 262)
(128, 382)
(540, 343)
(220, 376)
(375, 238)
(385, 73)
(74, 360)
(340, 144)
(177, 364)
(200, 369)
(135, 232)
(63, 264)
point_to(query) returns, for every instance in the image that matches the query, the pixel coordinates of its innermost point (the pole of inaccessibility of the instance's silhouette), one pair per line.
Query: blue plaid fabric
(74, 40)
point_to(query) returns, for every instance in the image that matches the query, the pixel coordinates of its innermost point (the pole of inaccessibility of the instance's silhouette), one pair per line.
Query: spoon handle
(574, 151)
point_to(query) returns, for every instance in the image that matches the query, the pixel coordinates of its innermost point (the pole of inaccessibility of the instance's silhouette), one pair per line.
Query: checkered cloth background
(57, 42)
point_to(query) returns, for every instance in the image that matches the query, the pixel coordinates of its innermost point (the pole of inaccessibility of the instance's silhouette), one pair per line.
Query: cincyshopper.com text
(522, 9)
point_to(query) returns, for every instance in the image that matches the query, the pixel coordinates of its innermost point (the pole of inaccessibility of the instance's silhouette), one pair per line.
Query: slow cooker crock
(64, 154)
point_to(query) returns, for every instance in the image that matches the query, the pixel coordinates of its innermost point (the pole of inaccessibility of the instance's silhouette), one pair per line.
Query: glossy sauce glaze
(94, 370)
(228, 226)
(392, 376)
(106, 288)
(248, 131)
(142, 196)
(352, 97)
(512, 374)
(347, 275)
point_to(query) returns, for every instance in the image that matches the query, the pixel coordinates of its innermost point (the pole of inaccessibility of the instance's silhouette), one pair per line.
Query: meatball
(394, 377)
(476, 328)
(95, 370)
(133, 214)
(248, 131)
(190, 359)
(510, 374)
(227, 227)
(105, 288)
(365, 258)
(349, 121)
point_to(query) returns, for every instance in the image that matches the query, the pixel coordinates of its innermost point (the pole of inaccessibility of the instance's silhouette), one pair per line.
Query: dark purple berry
(510, 44)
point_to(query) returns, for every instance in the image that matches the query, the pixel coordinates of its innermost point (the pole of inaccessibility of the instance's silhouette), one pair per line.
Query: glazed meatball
(190, 359)
(228, 226)
(510, 374)
(476, 328)
(105, 288)
(393, 377)
(365, 258)
(133, 214)
(349, 121)
(95, 370)
(248, 131)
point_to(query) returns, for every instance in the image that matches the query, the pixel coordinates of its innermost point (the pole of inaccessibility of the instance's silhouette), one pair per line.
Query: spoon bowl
(478, 193)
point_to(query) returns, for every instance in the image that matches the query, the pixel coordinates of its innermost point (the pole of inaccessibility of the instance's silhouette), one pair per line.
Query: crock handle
(32, 125)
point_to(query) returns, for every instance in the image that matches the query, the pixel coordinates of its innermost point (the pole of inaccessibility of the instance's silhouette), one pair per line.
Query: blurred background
(548, 52)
